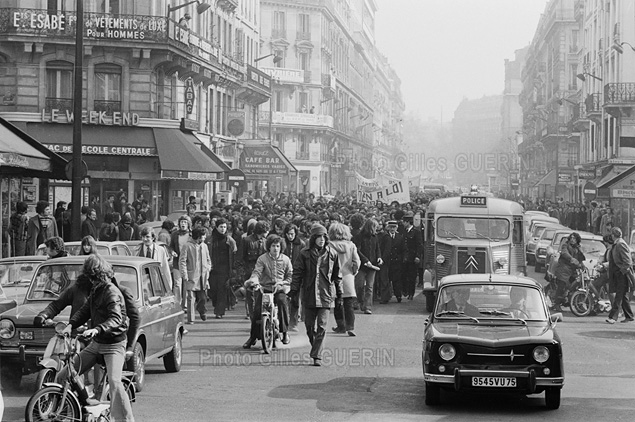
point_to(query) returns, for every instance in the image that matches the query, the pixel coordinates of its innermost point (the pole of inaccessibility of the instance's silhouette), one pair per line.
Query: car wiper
(457, 313)
(594, 251)
(482, 236)
(495, 312)
(453, 234)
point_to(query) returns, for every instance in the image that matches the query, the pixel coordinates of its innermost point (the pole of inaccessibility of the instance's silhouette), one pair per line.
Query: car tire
(433, 394)
(137, 365)
(552, 398)
(172, 361)
(10, 377)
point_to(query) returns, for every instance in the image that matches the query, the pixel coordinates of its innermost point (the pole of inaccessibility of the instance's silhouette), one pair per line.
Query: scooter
(587, 300)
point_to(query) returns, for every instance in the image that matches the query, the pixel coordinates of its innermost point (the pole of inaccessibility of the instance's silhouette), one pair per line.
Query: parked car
(533, 220)
(104, 248)
(592, 248)
(503, 341)
(22, 345)
(15, 278)
(534, 237)
(134, 245)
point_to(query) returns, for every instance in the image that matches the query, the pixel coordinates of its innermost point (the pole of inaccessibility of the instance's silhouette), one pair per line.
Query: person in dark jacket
(127, 229)
(106, 310)
(252, 247)
(620, 269)
(89, 227)
(317, 272)
(55, 247)
(368, 249)
(222, 249)
(413, 250)
(391, 245)
(569, 261)
(293, 249)
(108, 232)
(74, 296)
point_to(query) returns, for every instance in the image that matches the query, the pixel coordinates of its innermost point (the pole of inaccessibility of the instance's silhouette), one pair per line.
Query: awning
(612, 175)
(548, 179)
(22, 155)
(211, 155)
(180, 158)
(264, 159)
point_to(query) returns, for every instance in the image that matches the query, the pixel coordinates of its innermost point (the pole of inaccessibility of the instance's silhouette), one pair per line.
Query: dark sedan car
(492, 333)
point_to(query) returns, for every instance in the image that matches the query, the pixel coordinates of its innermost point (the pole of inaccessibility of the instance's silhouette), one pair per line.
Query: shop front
(620, 191)
(267, 169)
(162, 165)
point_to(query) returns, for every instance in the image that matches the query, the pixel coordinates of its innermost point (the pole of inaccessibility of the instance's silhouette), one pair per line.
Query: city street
(374, 376)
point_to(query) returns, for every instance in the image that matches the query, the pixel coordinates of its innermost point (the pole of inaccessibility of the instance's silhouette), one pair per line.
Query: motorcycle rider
(570, 260)
(273, 271)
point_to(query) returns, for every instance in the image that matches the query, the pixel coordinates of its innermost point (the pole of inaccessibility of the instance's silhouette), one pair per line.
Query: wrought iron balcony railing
(62, 104)
(619, 93)
(592, 103)
(108, 106)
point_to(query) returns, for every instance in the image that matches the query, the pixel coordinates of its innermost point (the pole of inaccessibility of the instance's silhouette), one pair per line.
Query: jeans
(195, 299)
(114, 356)
(622, 299)
(295, 309)
(316, 334)
(281, 301)
(345, 315)
(177, 287)
(364, 283)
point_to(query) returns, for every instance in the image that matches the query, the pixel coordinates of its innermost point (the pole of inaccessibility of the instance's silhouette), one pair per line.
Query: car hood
(491, 335)
(22, 315)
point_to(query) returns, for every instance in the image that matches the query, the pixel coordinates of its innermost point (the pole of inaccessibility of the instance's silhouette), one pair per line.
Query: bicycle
(587, 299)
(68, 400)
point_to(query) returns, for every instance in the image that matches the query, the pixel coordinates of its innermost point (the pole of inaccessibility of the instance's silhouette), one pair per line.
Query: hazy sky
(445, 50)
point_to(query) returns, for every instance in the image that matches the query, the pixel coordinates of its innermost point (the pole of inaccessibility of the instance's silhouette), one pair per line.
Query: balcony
(277, 33)
(302, 119)
(303, 36)
(328, 84)
(280, 75)
(228, 5)
(61, 104)
(107, 106)
(619, 98)
(593, 107)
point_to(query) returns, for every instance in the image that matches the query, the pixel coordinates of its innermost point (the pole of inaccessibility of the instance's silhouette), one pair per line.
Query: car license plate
(493, 382)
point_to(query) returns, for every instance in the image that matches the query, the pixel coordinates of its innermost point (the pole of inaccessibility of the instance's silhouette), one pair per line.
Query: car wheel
(433, 394)
(10, 377)
(137, 365)
(172, 361)
(552, 398)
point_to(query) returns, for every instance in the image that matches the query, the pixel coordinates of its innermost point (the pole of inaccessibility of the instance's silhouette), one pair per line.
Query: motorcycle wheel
(267, 334)
(45, 375)
(581, 303)
(45, 405)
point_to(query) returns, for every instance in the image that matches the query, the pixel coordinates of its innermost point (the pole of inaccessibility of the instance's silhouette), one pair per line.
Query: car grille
(471, 261)
(508, 356)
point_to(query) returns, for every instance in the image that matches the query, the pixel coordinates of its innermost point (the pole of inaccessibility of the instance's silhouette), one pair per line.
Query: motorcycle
(269, 324)
(572, 286)
(587, 300)
(69, 400)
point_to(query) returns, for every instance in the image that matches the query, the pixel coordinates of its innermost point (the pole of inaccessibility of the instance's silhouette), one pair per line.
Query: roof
(113, 259)
(488, 278)
(495, 206)
(28, 258)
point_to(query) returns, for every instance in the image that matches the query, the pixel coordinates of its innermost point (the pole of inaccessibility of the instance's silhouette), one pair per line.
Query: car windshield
(548, 234)
(484, 301)
(75, 249)
(473, 228)
(592, 247)
(50, 280)
(15, 278)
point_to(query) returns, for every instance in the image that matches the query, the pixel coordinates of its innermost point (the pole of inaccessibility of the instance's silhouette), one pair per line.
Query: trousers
(364, 284)
(315, 322)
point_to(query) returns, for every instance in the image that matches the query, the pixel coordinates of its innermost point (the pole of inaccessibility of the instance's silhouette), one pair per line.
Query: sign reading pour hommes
(91, 117)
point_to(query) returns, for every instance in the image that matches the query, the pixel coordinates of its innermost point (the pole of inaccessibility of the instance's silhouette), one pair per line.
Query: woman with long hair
(88, 246)
(293, 249)
(367, 244)
(340, 237)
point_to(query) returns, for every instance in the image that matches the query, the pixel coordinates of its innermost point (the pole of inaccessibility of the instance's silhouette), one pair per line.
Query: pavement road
(375, 376)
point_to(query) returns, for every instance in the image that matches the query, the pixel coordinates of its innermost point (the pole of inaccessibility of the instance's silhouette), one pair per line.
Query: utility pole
(77, 169)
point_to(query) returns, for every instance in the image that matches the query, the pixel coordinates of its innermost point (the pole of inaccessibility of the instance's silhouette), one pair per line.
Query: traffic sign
(69, 170)
(590, 191)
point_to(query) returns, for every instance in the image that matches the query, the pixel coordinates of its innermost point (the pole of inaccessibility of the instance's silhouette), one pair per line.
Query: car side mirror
(557, 317)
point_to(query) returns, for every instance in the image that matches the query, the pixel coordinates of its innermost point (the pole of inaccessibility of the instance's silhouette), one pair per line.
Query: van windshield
(473, 228)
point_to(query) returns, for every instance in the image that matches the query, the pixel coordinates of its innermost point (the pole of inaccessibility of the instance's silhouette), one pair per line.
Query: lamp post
(582, 76)
(200, 8)
(77, 169)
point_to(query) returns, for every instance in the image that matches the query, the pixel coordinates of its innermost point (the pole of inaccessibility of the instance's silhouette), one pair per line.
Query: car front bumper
(461, 379)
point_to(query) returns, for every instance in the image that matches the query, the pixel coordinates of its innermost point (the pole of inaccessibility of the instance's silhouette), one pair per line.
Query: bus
(472, 233)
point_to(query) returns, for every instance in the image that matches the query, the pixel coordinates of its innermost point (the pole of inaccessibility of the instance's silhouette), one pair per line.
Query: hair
(61, 203)
(220, 221)
(367, 228)
(290, 227)
(167, 225)
(607, 238)
(198, 232)
(108, 218)
(186, 218)
(260, 228)
(21, 207)
(339, 231)
(116, 217)
(90, 241)
(96, 268)
(272, 239)
(576, 236)
(616, 231)
(56, 243)
(145, 230)
(41, 206)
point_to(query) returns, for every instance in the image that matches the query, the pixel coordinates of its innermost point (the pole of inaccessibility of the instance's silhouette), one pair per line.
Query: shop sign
(190, 95)
(258, 78)
(282, 75)
(623, 193)
(103, 150)
(586, 174)
(91, 117)
(564, 178)
(262, 160)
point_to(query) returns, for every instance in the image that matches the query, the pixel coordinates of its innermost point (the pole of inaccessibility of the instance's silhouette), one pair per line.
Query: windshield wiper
(452, 234)
(482, 236)
(594, 251)
(457, 313)
(501, 313)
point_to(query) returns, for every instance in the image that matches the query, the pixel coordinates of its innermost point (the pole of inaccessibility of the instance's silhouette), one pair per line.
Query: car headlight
(440, 259)
(7, 329)
(541, 354)
(447, 352)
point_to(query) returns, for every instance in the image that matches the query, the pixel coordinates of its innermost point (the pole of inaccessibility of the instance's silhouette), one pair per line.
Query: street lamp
(582, 77)
(200, 8)
(617, 46)
(560, 101)
(276, 59)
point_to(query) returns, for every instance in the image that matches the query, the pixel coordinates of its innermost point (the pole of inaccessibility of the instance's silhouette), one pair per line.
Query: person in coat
(273, 272)
(195, 265)
(620, 268)
(178, 238)
(369, 252)
(222, 250)
(293, 249)
(18, 229)
(349, 262)
(413, 249)
(317, 272)
(149, 249)
(570, 260)
(40, 227)
(392, 248)
(89, 227)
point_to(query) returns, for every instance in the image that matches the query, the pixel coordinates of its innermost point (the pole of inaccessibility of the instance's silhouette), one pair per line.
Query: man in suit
(459, 302)
(413, 247)
(151, 250)
(195, 265)
(391, 246)
(620, 265)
